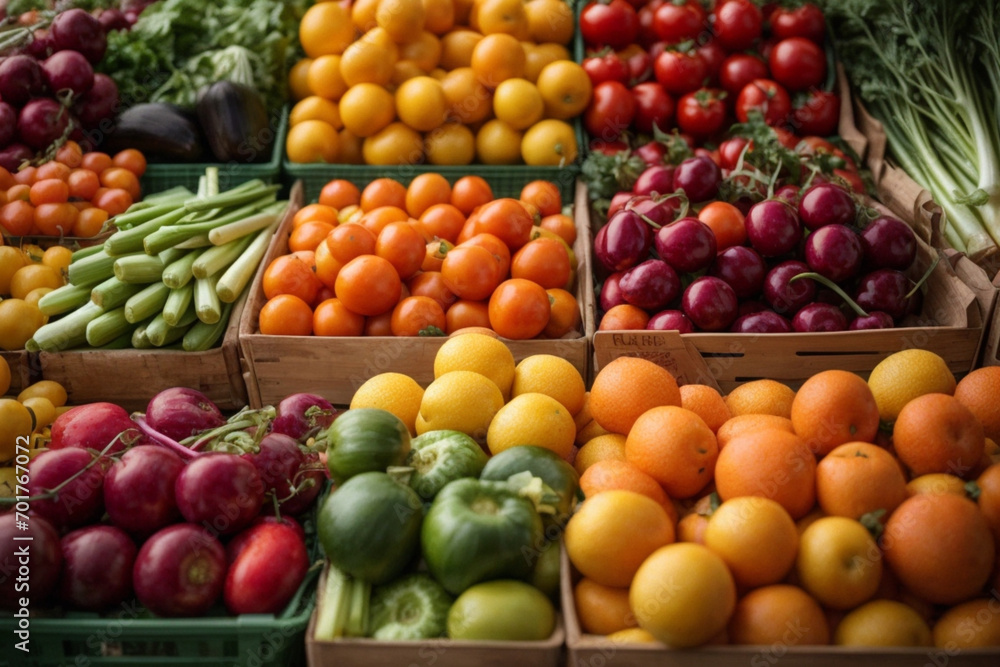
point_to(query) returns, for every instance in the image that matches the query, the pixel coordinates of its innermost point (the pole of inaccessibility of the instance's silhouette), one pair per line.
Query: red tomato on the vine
(653, 106)
(702, 113)
(738, 24)
(680, 72)
(675, 23)
(767, 96)
(606, 67)
(805, 21)
(610, 111)
(739, 69)
(818, 113)
(613, 24)
(797, 63)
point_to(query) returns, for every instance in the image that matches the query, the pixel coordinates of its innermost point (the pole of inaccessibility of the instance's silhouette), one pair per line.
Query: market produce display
(406, 81)
(426, 259)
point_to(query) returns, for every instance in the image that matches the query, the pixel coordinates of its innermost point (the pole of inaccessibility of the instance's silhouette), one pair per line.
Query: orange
(838, 562)
(312, 141)
(857, 478)
(602, 609)
(549, 21)
(937, 433)
(612, 474)
(286, 315)
(625, 317)
(755, 537)
(368, 285)
(325, 28)
(770, 463)
(470, 192)
(940, 547)
(751, 422)
(608, 447)
(550, 142)
(779, 615)
(626, 388)
(707, 403)
(564, 314)
(565, 88)
(612, 533)
(988, 500)
(439, 16)
(421, 103)
(370, 59)
(591, 430)
(978, 391)
(339, 193)
(426, 190)
(366, 108)
(468, 100)
(768, 397)
(325, 83)
(675, 447)
(401, 19)
(936, 482)
(496, 58)
(500, 16)
(972, 624)
(833, 407)
(683, 595)
(457, 46)
(331, 318)
(383, 192)
(883, 623)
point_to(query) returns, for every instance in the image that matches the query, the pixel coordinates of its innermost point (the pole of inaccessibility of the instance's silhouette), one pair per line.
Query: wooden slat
(20, 363)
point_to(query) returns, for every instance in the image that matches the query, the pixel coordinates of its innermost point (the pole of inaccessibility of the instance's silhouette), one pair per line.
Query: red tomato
(738, 24)
(818, 113)
(653, 106)
(608, 147)
(606, 67)
(797, 63)
(738, 70)
(613, 24)
(730, 151)
(675, 23)
(679, 72)
(805, 21)
(713, 54)
(701, 113)
(767, 96)
(610, 111)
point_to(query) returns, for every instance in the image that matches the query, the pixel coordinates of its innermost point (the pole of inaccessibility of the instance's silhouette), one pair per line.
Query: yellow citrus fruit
(363, 14)
(905, 375)
(972, 624)
(468, 100)
(565, 88)
(607, 446)
(936, 482)
(590, 431)
(366, 108)
(632, 636)
(518, 103)
(325, 80)
(4, 376)
(452, 143)
(756, 538)
(498, 143)
(298, 79)
(612, 533)
(602, 609)
(550, 142)
(478, 353)
(424, 50)
(553, 376)
(532, 419)
(459, 400)
(883, 623)
(549, 21)
(497, 57)
(31, 276)
(42, 409)
(49, 389)
(312, 141)
(838, 562)
(439, 16)
(15, 422)
(370, 59)
(764, 616)
(58, 257)
(325, 28)
(537, 56)
(11, 259)
(683, 594)
(396, 143)
(767, 397)
(500, 16)
(393, 392)
(18, 322)
(421, 103)
(315, 107)
(401, 19)
(457, 46)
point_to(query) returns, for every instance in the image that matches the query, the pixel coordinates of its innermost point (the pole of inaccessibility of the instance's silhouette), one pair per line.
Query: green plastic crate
(129, 635)
(162, 176)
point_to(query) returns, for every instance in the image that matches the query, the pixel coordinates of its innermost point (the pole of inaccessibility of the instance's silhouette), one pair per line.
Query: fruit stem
(823, 280)
(163, 440)
(923, 279)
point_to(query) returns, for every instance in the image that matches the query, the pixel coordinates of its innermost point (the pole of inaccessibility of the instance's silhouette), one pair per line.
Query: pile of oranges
(437, 81)
(427, 258)
(71, 195)
(849, 512)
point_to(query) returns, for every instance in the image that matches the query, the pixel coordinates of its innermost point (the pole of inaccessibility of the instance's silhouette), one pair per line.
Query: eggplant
(163, 132)
(234, 119)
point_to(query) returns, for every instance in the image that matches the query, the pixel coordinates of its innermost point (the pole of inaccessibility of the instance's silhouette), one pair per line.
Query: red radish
(283, 467)
(112, 19)
(20, 79)
(266, 571)
(220, 491)
(41, 122)
(180, 571)
(139, 490)
(8, 123)
(68, 70)
(78, 503)
(77, 30)
(99, 103)
(94, 426)
(46, 560)
(179, 413)
(97, 568)
(299, 414)
(14, 155)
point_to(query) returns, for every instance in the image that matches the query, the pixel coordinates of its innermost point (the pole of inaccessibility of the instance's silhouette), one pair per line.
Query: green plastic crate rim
(162, 176)
(130, 635)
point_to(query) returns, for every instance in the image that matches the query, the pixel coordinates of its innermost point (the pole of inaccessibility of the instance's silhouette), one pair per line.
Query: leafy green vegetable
(930, 72)
(178, 46)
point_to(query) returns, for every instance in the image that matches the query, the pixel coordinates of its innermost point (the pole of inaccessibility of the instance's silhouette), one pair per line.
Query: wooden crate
(587, 650)
(131, 377)
(277, 366)
(20, 363)
(438, 652)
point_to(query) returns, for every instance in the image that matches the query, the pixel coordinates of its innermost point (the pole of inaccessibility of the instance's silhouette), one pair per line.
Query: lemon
(4, 376)
(905, 375)
(393, 392)
(19, 321)
(607, 446)
(480, 354)
(532, 419)
(49, 389)
(590, 431)
(883, 623)
(15, 422)
(463, 401)
(42, 409)
(553, 376)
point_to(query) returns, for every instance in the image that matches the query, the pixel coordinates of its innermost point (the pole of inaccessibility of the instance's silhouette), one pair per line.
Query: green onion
(66, 332)
(133, 219)
(123, 342)
(140, 341)
(93, 269)
(146, 303)
(161, 333)
(176, 196)
(86, 252)
(201, 336)
(217, 258)
(195, 242)
(235, 197)
(177, 304)
(113, 293)
(138, 269)
(206, 300)
(64, 299)
(334, 608)
(131, 240)
(254, 223)
(178, 273)
(170, 236)
(170, 255)
(108, 326)
(241, 272)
